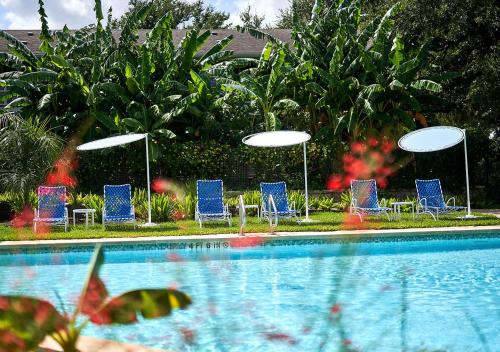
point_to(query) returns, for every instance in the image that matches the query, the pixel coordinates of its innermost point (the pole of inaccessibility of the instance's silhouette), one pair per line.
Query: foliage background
(198, 104)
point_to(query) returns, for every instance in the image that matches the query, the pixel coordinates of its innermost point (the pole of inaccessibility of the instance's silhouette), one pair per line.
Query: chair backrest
(278, 191)
(431, 191)
(365, 193)
(210, 194)
(51, 202)
(117, 200)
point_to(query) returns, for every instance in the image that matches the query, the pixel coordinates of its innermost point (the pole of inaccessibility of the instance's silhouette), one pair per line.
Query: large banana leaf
(218, 47)
(19, 49)
(425, 84)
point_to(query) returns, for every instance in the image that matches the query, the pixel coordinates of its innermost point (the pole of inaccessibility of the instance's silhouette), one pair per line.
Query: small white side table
(254, 206)
(86, 212)
(396, 209)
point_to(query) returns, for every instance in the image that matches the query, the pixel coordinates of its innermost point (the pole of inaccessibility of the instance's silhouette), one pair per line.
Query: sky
(23, 14)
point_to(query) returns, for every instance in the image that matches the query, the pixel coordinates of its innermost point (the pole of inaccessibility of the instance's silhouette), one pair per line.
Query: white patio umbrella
(432, 139)
(276, 139)
(120, 140)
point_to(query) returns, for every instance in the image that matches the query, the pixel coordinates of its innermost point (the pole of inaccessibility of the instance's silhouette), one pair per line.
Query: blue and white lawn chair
(431, 200)
(210, 203)
(118, 206)
(51, 207)
(275, 202)
(364, 200)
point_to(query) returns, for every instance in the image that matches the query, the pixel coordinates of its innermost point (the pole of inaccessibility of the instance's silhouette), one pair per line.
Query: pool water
(390, 295)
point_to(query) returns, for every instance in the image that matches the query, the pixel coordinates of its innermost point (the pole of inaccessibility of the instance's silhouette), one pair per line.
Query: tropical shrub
(162, 207)
(94, 201)
(17, 201)
(28, 151)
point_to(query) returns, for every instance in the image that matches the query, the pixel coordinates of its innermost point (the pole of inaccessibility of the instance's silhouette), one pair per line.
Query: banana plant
(26, 321)
(267, 90)
(362, 77)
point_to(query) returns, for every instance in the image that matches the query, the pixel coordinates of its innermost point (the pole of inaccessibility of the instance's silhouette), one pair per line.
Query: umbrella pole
(305, 182)
(467, 176)
(149, 223)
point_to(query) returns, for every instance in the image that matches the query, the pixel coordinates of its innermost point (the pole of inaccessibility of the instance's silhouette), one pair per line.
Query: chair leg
(360, 217)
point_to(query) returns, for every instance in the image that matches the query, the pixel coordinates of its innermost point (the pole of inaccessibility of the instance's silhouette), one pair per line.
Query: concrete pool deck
(266, 236)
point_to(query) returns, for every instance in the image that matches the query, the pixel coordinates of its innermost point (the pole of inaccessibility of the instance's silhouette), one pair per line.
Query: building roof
(243, 44)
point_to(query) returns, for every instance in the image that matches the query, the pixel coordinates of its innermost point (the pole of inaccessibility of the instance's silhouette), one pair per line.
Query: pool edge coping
(229, 237)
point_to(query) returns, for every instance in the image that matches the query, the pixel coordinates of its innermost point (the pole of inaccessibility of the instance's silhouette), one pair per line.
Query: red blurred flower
(4, 303)
(381, 182)
(346, 342)
(335, 309)
(372, 142)
(358, 169)
(174, 257)
(348, 158)
(384, 171)
(23, 219)
(179, 215)
(160, 185)
(281, 337)
(61, 175)
(187, 335)
(387, 147)
(376, 157)
(358, 147)
(242, 242)
(352, 221)
(334, 183)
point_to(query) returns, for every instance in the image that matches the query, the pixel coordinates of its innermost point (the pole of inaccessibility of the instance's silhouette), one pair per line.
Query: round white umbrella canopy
(276, 139)
(431, 139)
(120, 140)
(111, 142)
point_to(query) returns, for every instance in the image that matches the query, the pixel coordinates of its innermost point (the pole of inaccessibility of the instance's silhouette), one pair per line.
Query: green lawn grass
(328, 221)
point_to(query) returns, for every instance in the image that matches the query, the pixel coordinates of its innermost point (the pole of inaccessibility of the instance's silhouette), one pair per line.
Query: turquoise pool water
(385, 295)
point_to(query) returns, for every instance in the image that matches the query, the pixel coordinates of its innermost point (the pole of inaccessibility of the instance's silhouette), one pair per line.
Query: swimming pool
(385, 294)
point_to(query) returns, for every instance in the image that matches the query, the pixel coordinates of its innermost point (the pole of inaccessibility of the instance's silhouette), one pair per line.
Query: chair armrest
(422, 202)
(292, 206)
(452, 198)
(226, 207)
(132, 210)
(35, 212)
(354, 204)
(273, 205)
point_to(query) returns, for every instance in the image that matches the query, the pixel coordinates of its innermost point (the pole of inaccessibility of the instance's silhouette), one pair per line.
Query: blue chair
(364, 199)
(274, 199)
(118, 206)
(51, 207)
(431, 199)
(210, 203)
